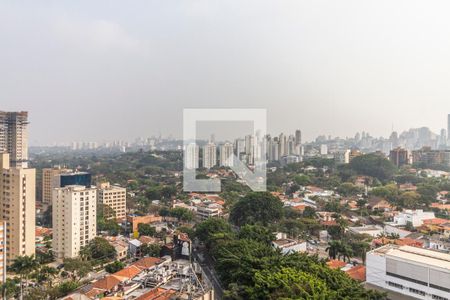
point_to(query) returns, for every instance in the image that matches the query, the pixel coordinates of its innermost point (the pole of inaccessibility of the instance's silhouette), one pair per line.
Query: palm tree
(45, 274)
(333, 249)
(345, 251)
(24, 265)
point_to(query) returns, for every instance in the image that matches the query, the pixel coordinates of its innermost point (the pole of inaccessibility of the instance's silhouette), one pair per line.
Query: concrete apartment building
(226, 155)
(3, 258)
(411, 271)
(209, 156)
(74, 219)
(48, 181)
(191, 156)
(14, 137)
(115, 197)
(18, 196)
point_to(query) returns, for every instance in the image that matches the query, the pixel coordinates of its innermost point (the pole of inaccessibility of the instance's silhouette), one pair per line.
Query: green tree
(302, 179)
(23, 266)
(206, 230)
(77, 267)
(99, 249)
(152, 250)
(256, 232)
(257, 208)
(374, 165)
(114, 267)
(348, 189)
(146, 229)
(289, 283)
(309, 212)
(182, 214)
(10, 288)
(409, 199)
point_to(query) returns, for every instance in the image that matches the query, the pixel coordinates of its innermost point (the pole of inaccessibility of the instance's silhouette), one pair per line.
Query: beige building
(74, 219)
(2, 251)
(115, 197)
(48, 175)
(17, 199)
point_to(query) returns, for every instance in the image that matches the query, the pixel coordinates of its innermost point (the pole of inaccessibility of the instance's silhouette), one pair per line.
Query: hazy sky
(100, 70)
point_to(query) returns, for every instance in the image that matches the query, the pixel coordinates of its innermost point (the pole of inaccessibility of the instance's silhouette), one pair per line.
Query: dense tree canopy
(374, 165)
(256, 208)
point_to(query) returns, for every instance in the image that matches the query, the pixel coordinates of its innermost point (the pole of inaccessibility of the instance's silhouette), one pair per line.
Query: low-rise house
(441, 206)
(407, 187)
(208, 210)
(134, 247)
(372, 230)
(414, 217)
(378, 203)
(357, 272)
(288, 245)
(136, 220)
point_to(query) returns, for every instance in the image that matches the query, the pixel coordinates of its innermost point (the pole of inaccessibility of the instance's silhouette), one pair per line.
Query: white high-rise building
(411, 271)
(209, 155)
(74, 219)
(191, 156)
(250, 145)
(240, 147)
(226, 155)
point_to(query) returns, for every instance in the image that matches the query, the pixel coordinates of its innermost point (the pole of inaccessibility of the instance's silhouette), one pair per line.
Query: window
(436, 297)
(418, 292)
(396, 285)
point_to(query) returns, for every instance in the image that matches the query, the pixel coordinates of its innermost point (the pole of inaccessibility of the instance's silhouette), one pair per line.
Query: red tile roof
(109, 282)
(357, 273)
(157, 294)
(336, 264)
(129, 272)
(147, 262)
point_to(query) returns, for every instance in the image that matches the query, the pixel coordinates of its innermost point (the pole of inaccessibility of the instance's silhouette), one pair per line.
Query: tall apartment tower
(14, 137)
(3, 257)
(115, 197)
(17, 200)
(209, 155)
(191, 154)
(448, 127)
(74, 219)
(298, 137)
(226, 155)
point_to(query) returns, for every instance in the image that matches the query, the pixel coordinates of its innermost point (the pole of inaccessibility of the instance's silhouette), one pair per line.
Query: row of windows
(419, 292)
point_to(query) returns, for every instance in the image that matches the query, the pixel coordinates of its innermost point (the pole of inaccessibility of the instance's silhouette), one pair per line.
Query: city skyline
(323, 67)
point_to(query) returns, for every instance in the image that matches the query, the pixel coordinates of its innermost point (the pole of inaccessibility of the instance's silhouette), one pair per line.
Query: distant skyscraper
(250, 145)
(226, 155)
(298, 137)
(14, 137)
(448, 127)
(209, 155)
(399, 157)
(74, 219)
(191, 156)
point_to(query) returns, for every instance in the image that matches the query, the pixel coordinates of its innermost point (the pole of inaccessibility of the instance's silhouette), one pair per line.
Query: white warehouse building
(411, 271)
